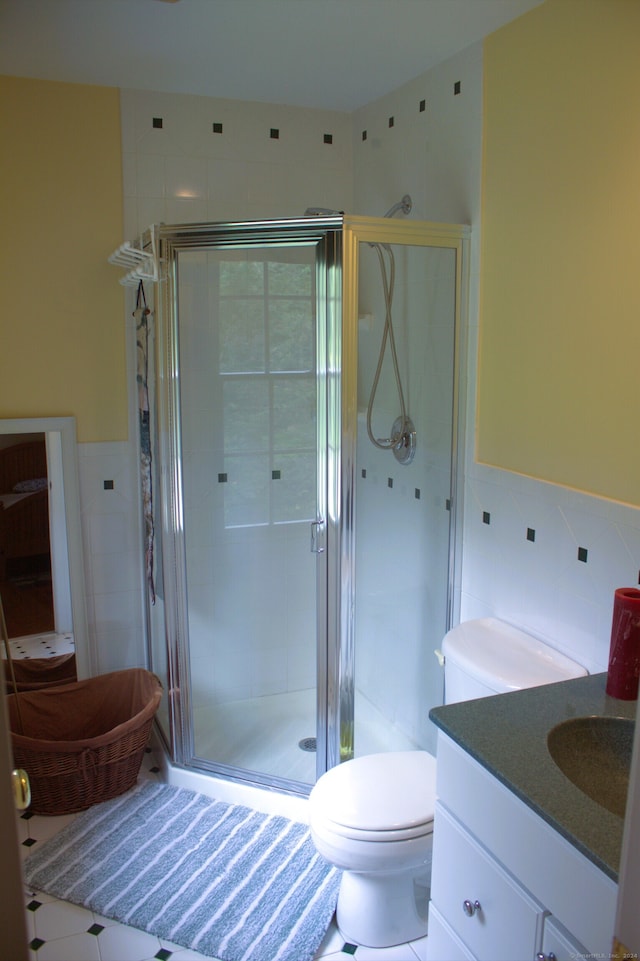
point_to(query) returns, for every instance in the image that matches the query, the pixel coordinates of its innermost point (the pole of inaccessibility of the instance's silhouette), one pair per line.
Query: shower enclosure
(304, 575)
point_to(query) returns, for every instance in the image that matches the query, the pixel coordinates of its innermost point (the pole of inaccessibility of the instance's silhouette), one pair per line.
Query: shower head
(322, 212)
(404, 205)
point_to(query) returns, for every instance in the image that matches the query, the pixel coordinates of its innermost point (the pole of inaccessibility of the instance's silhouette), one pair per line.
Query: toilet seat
(378, 797)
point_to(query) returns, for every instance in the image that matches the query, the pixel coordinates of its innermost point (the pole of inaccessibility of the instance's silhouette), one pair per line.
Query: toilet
(372, 816)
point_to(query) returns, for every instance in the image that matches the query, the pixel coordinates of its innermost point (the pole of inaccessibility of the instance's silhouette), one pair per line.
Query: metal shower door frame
(337, 239)
(326, 234)
(383, 230)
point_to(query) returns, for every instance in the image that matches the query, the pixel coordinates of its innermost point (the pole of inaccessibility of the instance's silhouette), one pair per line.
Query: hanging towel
(143, 318)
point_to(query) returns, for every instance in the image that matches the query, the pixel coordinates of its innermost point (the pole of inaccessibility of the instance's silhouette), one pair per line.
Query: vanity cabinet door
(495, 918)
(546, 865)
(559, 944)
(442, 943)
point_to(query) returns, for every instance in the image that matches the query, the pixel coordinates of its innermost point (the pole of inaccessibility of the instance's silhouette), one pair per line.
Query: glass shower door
(293, 551)
(250, 369)
(403, 609)
(404, 283)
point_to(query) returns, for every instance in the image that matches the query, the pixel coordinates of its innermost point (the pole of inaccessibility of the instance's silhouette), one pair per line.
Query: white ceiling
(331, 54)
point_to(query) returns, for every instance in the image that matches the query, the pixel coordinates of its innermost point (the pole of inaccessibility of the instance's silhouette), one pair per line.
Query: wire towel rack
(140, 259)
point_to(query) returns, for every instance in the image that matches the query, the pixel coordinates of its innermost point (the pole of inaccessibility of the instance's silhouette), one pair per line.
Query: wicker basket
(83, 743)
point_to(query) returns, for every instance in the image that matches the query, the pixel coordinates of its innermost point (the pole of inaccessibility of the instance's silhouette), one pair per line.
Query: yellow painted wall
(559, 363)
(62, 339)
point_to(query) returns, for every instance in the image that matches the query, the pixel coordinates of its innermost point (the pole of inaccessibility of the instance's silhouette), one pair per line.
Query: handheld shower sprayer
(402, 441)
(403, 433)
(404, 205)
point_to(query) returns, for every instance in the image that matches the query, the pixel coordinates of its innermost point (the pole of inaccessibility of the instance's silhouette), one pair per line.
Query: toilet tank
(488, 656)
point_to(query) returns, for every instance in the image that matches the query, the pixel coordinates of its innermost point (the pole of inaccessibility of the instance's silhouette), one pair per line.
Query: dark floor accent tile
(29, 842)
(163, 954)
(95, 929)
(34, 905)
(36, 944)
(349, 948)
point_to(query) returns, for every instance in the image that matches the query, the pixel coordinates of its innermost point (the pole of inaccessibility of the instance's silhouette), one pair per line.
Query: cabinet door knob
(470, 907)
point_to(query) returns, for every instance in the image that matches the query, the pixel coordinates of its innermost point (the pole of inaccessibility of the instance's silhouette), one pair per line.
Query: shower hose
(388, 281)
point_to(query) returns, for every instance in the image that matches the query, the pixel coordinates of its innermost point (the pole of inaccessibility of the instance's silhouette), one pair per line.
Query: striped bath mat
(219, 878)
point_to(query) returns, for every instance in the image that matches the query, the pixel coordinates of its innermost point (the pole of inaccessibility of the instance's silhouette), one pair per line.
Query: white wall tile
(435, 155)
(241, 173)
(542, 586)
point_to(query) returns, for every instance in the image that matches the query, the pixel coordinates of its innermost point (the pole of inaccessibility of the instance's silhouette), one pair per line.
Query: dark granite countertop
(507, 734)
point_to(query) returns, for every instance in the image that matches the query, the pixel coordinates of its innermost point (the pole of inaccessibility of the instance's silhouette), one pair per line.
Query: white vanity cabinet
(493, 915)
(505, 886)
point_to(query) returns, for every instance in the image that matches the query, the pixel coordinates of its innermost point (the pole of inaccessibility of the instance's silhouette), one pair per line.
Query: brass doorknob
(21, 789)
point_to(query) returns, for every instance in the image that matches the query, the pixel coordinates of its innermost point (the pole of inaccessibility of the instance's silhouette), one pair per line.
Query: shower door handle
(318, 529)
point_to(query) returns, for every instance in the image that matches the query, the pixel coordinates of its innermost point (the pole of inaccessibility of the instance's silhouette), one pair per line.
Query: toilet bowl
(372, 816)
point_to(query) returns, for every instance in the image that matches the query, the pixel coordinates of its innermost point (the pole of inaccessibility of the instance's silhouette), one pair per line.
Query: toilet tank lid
(504, 658)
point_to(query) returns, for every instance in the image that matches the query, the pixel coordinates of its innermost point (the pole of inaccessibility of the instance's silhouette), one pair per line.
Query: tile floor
(59, 931)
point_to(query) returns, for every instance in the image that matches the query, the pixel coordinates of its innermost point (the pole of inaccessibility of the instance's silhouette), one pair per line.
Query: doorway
(25, 553)
(48, 552)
